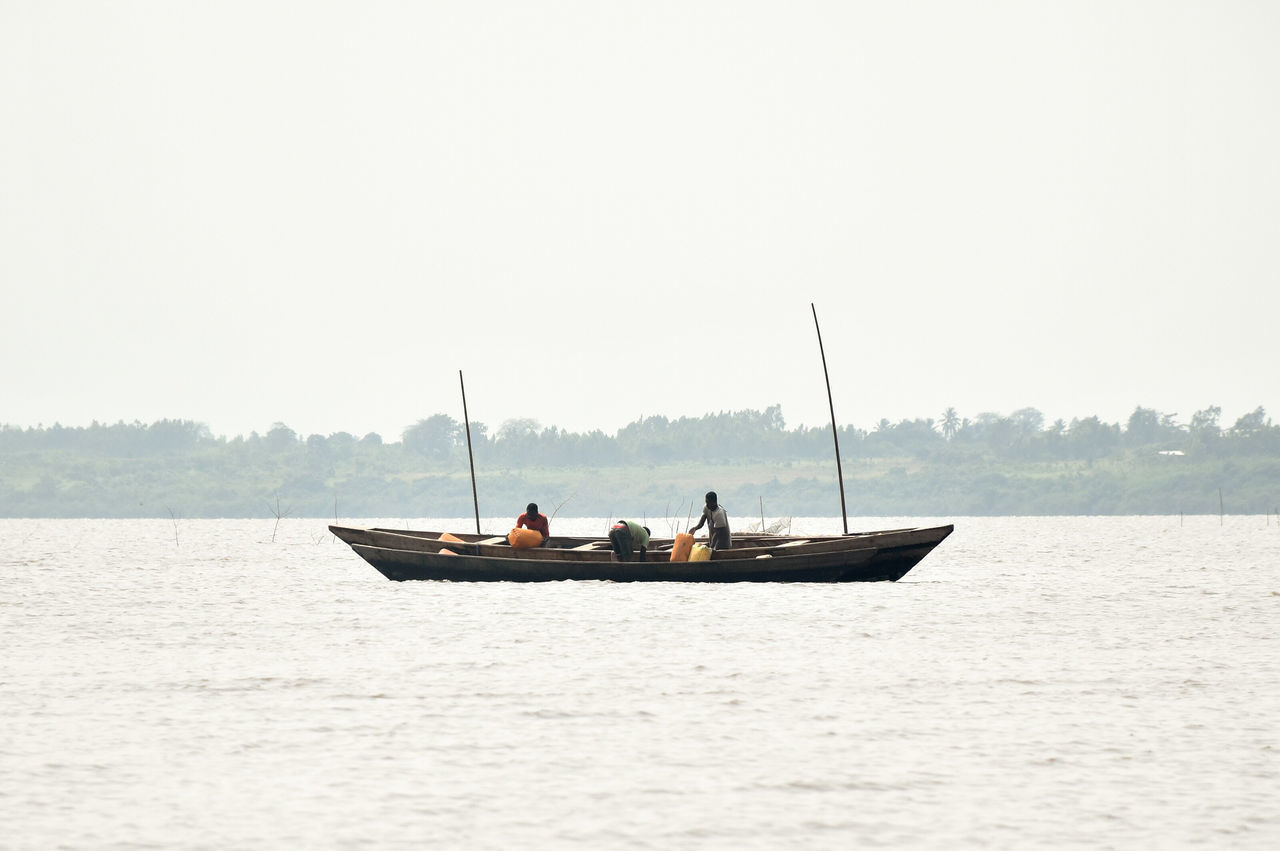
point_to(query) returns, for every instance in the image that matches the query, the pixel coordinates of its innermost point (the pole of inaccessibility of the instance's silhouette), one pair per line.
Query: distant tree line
(752, 435)
(737, 435)
(990, 463)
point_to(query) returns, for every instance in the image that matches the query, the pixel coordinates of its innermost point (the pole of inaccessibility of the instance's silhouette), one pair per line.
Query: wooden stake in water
(470, 457)
(844, 514)
(1219, 506)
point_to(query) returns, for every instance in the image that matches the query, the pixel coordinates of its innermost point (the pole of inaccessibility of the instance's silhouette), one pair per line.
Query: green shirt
(639, 537)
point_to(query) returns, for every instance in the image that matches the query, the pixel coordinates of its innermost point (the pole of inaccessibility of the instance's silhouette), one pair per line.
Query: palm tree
(950, 423)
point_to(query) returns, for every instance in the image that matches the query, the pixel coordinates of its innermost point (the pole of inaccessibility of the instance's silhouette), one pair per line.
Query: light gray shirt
(718, 528)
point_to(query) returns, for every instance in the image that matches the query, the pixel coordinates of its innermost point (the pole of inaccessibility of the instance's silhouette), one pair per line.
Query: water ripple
(1037, 682)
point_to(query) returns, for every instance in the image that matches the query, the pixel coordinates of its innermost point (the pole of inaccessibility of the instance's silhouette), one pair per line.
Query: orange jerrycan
(683, 545)
(523, 538)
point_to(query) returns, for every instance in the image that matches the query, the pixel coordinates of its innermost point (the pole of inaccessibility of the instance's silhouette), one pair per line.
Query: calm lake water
(1035, 682)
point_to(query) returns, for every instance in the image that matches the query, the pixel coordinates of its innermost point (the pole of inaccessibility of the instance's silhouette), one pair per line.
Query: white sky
(318, 212)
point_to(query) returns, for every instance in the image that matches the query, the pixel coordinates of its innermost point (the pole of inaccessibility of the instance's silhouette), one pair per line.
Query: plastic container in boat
(682, 547)
(523, 538)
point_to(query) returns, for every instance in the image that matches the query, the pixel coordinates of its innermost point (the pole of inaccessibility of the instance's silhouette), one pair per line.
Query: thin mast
(844, 514)
(471, 458)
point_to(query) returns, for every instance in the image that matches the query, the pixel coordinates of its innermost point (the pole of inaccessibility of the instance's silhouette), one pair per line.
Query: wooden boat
(863, 557)
(849, 565)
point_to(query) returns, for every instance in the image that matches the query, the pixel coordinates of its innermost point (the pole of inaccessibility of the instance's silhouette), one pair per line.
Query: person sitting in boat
(531, 519)
(627, 537)
(718, 532)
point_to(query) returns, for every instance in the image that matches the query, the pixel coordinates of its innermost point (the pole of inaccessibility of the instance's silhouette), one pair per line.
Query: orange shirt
(537, 523)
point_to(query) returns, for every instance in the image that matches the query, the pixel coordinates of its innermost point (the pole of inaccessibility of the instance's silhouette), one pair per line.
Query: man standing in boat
(718, 532)
(627, 536)
(531, 519)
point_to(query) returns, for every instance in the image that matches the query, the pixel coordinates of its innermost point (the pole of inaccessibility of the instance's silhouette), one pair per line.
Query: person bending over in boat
(627, 536)
(531, 519)
(714, 513)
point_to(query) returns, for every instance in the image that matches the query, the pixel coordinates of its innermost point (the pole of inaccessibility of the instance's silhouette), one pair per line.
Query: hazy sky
(318, 212)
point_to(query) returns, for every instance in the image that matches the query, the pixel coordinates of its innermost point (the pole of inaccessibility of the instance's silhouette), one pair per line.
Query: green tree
(1204, 428)
(1091, 438)
(517, 440)
(950, 423)
(434, 438)
(1143, 428)
(280, 437)
(519, 428)
(1251, 424)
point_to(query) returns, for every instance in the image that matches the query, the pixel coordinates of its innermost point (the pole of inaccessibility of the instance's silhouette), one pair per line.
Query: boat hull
(893, 553)
(852, 565)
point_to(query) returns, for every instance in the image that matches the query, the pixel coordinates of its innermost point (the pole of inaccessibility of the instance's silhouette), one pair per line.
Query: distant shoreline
(993, 467)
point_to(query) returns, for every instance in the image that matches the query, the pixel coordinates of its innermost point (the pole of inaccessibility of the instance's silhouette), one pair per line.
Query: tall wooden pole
(844, 514)
(470, 457)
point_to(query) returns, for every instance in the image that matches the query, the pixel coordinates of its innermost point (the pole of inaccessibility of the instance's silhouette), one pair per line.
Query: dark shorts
(720, 538)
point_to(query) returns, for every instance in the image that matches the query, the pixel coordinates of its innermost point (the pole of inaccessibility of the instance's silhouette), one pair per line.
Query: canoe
(863, 557)
(848, 565)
